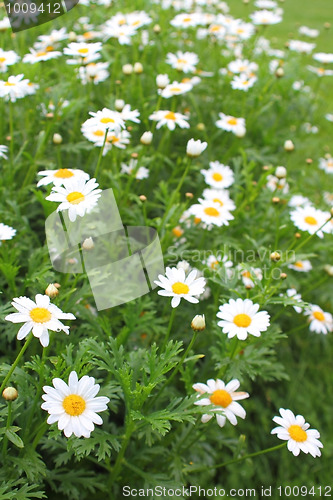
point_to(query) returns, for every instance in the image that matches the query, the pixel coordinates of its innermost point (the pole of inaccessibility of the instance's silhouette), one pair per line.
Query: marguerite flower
(296, 431)
(220, 196)
(74, 406)
(39, 316)
(178, 286)
(170, 119)
(211, 213)
(265, 17)
(6, 232)
(36, 56)
(320, 321)
(58, 177)
(15, 88)
(77, 196)
(311, 219)
(175, 88)
(302, 266)
(326, 164)
(3, 151)
(183, 61)
(232, 124)
(223, 398)
(7, 58)
(243, 82)
(241, 317)
(195, 148)
(104, 119)
(218, 176)
(84, 52)
(292, 293)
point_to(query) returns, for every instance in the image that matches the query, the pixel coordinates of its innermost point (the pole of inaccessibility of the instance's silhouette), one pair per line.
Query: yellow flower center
(170, 116)
(217, 177)
(180, 288)
(232, 121)
(215, 28)
(75, 197)
(2, 59)
(9, 84)
(83, 51)
(40, 54)
(49, 48)
(299, 264)
(175, 89)
(318, 315)
(216, 200)
(63, 173)
(87, 34)
(212, 212)
(297, 433)
(311, 220)
(99, 133)
(74, 405)
(40, 315)
(186, 19)
(214, 264)
(242, 320)
(107, 120)
(246, 274)
(177, 231)
(221, 398)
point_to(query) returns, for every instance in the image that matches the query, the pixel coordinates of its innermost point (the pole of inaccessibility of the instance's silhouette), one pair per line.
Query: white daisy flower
(220, 196)
(93, 72)
(215, 261)
(104, 119)
(83, 50)
(276, 184)
(320, 71)
(39, 316)
(7, 58)
(15, 88)
(320, 321)
(6, 232)
(141, 172)
(265, 4)
(243, 82)
(178, 286)
(175, 88)
(58, 177)
(77, 196)
(302, 266)
(247, 276)
(310, 219)
(323, 57)
(242, 66)
(296, 431)
(218, 176)
(329, 117)
(186, 20)
(241, 317)
(195, 148)
(292, 293)
(326, 164)
(211, 213)
(231, 124)
(297, 200)
(224, 400)
(36, 56)
(74, 406)
(170, 119)
(301, 47)
(183, 61)
(311, 33)
(3, 151)
(128, 114)
(265, 17)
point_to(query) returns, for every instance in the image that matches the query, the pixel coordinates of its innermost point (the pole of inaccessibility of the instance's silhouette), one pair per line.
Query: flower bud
(276, 199)
(308, 161)
(329, 269)
(279, 73)
(157, 29)
(72, 36)
(119, 104)
(283, 276)
(201, 126)
(240, 132)
(52, 291)
(289, 145)
(138, 68)
(162, 81)
(189, 195)
(143, 198)
(127, 69)
(275, 256)
(195, 148)
(10, 394)
(57, 139)
(281, 172)
(198, 323)
(88, 244)
(146, 138)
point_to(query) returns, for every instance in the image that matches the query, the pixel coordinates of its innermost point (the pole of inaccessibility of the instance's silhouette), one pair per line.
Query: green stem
(235, 460)
(16, 362)
(119, 462)
(223, 369)
(9, 419)
(171, 320)
(101, 154)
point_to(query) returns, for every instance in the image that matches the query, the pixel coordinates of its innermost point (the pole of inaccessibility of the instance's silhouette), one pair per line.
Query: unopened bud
(127, 69)
(279, 73)
(289, 145)
(49, 115)
(138, 68)
(134, 155)
(329, 269)
(157, 29)
(88, 244)
(57, 139)
(119, 104)
(281, 172)
(10, 394)
(146, 138)
(143, 198)
(283, 276)
(276, 199)
(189, 195)
(201, 126)
(71, 36)
(52, 291)
(327, 26)
(275, 256)
(198, 323)
(308, 161)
